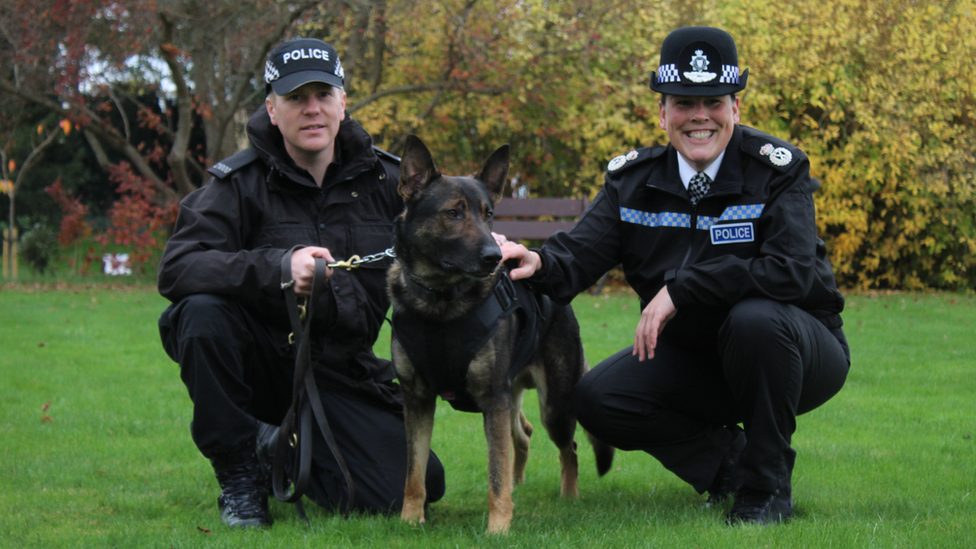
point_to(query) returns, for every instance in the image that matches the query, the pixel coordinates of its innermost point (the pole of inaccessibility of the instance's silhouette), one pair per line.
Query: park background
(110, 112)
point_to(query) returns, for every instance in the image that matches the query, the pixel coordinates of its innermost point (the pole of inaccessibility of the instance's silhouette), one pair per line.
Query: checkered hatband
(730, 74)
(668, 73)
(270, 72)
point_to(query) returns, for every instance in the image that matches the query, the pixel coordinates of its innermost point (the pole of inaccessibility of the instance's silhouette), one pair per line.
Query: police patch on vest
(617, 163)
(732, 233)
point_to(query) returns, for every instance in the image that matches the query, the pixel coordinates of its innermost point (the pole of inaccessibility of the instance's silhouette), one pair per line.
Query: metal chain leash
(356, 261)
(348, 264)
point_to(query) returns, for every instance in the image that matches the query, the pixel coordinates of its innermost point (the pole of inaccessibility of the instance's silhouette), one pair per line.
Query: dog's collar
(451, 293)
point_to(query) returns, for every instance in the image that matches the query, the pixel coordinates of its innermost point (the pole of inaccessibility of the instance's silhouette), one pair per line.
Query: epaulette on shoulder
(380, 153)
(227, 166)
(624, 162)
(772, 150)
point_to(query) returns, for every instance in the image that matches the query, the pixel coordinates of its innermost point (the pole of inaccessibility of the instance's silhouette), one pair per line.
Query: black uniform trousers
(236, 375)
(769, 362)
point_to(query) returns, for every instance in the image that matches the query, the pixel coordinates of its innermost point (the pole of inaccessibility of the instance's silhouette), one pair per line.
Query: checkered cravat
(698, 187)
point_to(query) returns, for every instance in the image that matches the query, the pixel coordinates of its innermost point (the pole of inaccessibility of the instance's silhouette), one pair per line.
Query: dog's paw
(412, 516)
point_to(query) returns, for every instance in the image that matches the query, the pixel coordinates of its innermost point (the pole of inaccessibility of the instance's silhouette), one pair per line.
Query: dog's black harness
(442, 351)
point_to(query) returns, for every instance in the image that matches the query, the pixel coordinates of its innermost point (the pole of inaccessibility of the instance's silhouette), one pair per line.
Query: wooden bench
(518, 218)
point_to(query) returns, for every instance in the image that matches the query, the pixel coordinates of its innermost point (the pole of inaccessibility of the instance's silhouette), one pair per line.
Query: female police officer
(716, 232)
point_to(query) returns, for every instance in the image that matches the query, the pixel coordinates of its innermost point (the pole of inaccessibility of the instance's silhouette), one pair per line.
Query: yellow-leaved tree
(881, 97)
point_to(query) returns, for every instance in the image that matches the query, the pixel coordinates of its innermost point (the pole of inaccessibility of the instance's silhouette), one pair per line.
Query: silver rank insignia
(700, 74)
(617, 163)
(632, 155)
(779, 156)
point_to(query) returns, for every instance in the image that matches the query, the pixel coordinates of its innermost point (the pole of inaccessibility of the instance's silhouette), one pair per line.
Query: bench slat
(537, 207)
(532, 230)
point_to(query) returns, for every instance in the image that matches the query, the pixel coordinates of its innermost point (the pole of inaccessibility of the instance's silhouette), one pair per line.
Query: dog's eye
(489, 214)
(451, 213)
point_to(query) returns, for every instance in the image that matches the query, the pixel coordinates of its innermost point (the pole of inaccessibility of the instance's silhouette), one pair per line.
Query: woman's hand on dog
(529, 261)
(303, 268)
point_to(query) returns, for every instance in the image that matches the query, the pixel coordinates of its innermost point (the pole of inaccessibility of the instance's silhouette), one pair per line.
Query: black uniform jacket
(753, 234)
(231, 234)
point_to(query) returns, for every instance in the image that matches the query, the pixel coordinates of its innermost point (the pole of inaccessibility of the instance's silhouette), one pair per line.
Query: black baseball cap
(699, 62)
(300, 61)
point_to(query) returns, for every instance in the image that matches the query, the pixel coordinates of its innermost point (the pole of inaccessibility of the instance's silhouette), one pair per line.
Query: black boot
(267, 443)
(758, 507)
(243, 500)
(724, 484)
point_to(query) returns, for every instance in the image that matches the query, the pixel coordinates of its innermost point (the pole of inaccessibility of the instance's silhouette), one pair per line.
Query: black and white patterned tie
(698, 187)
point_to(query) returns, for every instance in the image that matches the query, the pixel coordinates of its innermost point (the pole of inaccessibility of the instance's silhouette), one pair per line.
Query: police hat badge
(699, 62)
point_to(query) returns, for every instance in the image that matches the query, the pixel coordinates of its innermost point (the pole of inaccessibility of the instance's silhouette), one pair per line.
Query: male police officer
(740, 321)
(311, 178)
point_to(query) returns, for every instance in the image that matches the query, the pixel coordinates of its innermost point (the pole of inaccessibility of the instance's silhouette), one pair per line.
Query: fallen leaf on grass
(47, 419)
(202, 529)
(46, 406)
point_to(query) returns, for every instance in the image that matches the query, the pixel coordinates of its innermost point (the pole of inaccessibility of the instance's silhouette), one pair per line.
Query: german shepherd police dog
(462, 331)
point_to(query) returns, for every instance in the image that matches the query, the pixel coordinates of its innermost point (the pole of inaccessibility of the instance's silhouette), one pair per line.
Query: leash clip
(348, 264)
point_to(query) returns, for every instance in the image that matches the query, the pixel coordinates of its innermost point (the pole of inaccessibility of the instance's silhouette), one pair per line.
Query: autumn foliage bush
(879, 94)
(137, 221)
(74, 227)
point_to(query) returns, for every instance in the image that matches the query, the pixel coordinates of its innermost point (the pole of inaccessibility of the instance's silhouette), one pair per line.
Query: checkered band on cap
(730, 74)
(270, 72)
(668, 73)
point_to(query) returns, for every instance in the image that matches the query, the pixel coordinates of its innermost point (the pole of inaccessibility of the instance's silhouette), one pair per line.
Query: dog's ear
(495, 172)
(417, 169)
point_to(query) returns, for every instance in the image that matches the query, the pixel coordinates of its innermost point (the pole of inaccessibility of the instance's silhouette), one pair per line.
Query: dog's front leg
(419, 420)
(418, 415)
(499, 436)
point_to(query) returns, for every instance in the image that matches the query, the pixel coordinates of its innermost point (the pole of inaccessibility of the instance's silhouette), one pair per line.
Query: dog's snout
(491, 255)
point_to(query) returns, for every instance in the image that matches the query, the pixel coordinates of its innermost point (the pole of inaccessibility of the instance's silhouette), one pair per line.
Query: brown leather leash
(296, 429)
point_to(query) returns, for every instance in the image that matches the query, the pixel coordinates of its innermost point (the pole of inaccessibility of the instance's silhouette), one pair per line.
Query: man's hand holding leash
(303, 268)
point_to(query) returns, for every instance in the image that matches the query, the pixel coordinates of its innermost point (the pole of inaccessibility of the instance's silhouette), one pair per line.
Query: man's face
(308, 118)
(699, 127)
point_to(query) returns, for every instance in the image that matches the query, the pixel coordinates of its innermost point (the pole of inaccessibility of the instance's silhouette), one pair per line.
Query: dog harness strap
(296, 429)
(442, 351)
(535, 310)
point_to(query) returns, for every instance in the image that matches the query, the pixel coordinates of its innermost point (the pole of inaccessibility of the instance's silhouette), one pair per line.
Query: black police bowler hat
(300, 61)
(698, 62)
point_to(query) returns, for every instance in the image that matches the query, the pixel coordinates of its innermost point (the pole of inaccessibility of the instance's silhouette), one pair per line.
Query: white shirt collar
(687, 172)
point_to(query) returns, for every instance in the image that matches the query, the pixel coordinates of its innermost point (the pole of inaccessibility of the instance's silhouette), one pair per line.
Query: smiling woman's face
(699, 127)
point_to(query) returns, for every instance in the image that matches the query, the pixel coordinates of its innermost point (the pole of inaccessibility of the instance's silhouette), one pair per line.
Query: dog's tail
(604, 454)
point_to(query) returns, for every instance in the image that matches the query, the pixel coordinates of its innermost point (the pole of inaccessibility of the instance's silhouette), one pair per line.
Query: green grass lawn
(95, 449)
